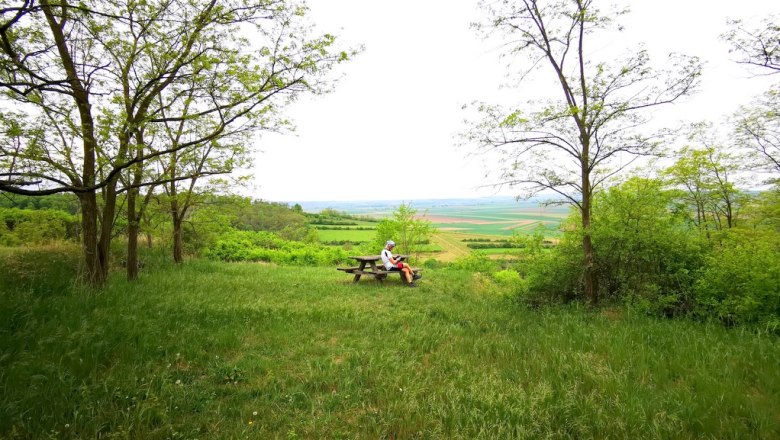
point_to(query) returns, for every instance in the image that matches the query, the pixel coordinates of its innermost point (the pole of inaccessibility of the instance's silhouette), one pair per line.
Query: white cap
(390, 243)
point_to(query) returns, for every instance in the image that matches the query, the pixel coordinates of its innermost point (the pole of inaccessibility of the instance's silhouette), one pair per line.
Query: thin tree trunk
(588, 273)
(178, 242)
(107, 226)
(132, 235)
(589, 278)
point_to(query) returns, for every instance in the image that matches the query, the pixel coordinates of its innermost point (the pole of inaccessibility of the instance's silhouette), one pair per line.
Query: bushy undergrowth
(268, 247)
(650, 258)
(740, 284)
(31, 227)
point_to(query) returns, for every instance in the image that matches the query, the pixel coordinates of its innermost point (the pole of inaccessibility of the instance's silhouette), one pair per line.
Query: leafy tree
(758, 130)
(406, 228)
(756, 47)
(59, 202)
(573, 144)
(92, 84)
(705, 178)
(763, 211)
(758, 126)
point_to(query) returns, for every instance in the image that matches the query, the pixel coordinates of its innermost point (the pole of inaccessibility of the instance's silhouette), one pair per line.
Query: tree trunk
(132, 235)
(178, 243)
(588, 273)
(93, 274)
(589, 276)
(107, 226)
(96, 272)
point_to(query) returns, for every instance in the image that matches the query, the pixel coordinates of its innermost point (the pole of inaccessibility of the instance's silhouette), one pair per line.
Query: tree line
(121, 100)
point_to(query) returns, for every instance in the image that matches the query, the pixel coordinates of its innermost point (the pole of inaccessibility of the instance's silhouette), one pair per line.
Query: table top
(375, 257)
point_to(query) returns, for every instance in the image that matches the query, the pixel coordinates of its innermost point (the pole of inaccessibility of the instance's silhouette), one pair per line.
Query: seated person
(392, 263)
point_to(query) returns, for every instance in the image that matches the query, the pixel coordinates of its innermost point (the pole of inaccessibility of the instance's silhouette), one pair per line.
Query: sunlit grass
(214, 350)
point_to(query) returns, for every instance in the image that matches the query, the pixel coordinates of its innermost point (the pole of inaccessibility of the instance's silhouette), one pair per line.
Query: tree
(406, 228)
(758, 126)
(92, 83)
(758, 130)
(756, 47)
(571, 145)
(705, 174)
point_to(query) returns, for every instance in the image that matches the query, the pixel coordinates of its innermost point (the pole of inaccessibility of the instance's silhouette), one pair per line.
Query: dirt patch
(445, 219)
(519, 224)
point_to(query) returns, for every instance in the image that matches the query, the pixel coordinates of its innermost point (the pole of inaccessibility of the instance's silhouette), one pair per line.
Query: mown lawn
(214, 350)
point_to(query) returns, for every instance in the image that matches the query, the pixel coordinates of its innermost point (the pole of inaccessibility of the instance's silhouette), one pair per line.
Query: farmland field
(457, 220)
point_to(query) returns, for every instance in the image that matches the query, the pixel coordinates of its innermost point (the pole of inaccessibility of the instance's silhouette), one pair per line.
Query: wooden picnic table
(378, 272)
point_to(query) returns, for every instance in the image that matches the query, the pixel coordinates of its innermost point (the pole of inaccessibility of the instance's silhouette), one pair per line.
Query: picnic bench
(367, 266)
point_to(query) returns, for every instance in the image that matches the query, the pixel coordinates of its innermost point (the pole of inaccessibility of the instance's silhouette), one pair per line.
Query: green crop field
(458, 222)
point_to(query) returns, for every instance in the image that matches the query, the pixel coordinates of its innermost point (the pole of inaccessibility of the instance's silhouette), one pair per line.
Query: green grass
(215, 350)
(501, 230)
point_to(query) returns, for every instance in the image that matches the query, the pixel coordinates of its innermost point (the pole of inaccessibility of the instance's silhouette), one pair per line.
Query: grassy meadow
(218, 350)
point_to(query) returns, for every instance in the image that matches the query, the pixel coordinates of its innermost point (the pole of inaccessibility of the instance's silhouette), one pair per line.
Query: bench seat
(356, 270)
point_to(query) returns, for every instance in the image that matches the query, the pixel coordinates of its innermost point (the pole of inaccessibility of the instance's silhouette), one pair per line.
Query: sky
(389, 130)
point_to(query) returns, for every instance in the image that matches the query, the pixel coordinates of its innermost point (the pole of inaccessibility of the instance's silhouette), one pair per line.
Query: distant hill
(380, 207)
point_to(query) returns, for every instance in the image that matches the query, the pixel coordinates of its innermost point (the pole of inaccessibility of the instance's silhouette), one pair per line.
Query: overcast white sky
(395, 113)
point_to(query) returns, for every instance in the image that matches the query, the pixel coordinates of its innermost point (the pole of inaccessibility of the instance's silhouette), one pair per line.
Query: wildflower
(251, 422)
(178, 381)
(254, 413)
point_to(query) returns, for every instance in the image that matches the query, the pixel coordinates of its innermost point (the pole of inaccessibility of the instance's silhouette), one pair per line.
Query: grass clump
(216, 350)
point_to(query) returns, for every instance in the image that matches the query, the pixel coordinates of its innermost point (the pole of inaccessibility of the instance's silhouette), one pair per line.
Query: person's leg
(411, 272)
(407, 273)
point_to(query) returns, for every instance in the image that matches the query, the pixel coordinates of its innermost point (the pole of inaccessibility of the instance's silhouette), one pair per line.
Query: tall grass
(215, 350)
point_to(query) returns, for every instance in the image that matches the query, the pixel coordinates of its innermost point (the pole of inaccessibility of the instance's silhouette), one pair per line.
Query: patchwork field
(456, 221)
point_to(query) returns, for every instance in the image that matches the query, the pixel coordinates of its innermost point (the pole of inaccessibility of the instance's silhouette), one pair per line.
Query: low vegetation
(234, 350)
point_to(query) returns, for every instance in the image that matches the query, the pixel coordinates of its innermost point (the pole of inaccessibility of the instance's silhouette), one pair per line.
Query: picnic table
(367, 266)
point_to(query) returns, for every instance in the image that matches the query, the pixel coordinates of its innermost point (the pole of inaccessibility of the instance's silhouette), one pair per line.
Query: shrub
(26, 227)
(266, 246)
(432, 263)
(740, 283)
(554, 276)
(475, 262)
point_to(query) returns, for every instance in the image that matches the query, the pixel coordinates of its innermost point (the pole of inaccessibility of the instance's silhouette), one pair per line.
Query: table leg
(360, 269)
(374, 268)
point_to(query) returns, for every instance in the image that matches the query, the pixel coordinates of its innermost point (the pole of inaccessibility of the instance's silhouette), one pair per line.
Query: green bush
(475, 262)
(554, 276)
(740, 283)
(266, 246)
(27, 227)
(645, 253)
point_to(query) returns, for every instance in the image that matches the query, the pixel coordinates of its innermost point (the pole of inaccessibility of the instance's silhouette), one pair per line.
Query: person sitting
(395, 264)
